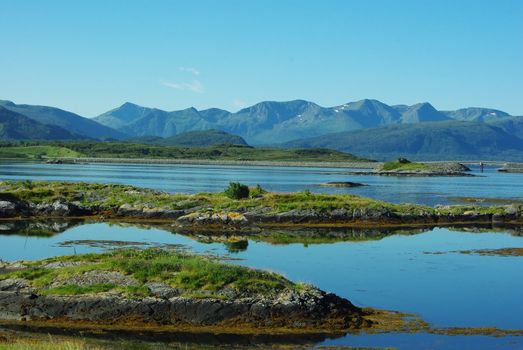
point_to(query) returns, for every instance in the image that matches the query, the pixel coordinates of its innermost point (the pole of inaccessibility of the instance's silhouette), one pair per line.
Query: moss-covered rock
(161, 287)
(55, 199)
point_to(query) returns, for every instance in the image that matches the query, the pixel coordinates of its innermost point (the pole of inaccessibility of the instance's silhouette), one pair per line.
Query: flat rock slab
(95, 277)
(322, 311)
(342, 184)
(408, 173)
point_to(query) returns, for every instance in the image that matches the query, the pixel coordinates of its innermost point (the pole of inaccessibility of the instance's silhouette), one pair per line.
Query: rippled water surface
(195, 178)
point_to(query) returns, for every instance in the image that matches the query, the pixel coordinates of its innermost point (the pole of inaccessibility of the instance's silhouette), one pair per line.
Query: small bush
(257, 191)
(237, 190)
(403, 161)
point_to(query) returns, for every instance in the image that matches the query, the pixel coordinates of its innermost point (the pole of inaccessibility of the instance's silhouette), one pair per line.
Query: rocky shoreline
(263, 217)
(288, 307)
(319, 312)
(363, 164)
(198, 211)
(411, 173)
(418, 169)
(516, 168)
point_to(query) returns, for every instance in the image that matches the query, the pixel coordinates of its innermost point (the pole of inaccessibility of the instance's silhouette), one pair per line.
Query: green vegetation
(74, 289)
(193, 139)
(42, 340)
(442, 140)
(257, 191)
(513, 125)
(74, 125)
(403, 164)
(112, 196)
(107, 197)
(237, 191)
(15, 126)
(485, 200)
(48, 344)
(95, 149)
(37, 152)
(189, 273)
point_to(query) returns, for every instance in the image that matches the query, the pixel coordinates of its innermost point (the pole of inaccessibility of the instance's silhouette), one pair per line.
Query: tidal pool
(393, 271)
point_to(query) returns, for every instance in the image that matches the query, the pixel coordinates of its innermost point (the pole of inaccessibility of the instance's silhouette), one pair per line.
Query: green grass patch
(400, 166)
(190, 273)
(110, 196)
(74, 289)
(38, 152)
(204, 296)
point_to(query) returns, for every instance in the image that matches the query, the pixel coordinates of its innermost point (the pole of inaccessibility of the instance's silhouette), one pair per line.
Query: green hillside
(427, 141)
(14, 126)
(220, 152)
(511, 125)
(64, 119)
(121, 116)
(194, 139)
(166, 124)
(37, 152)
(273, 122)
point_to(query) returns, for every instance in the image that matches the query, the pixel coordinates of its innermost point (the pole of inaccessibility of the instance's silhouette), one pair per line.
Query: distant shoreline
(306, 164)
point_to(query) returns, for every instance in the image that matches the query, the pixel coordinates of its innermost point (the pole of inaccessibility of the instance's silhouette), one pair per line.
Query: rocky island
(165, 288)
(404, 167)
(512, 168)
(243, 209)
(162, 289)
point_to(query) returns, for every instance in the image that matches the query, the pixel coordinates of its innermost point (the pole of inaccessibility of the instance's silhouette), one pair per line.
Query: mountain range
(268, 122)
(273, 122)
(82, 127)
(15, 126)
(423, 141)
(291, 124)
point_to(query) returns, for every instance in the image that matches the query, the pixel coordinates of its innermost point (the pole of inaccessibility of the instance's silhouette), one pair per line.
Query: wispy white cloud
(191, 70)
(194, 86)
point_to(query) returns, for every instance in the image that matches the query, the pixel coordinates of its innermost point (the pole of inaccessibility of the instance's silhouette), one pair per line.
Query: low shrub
(237, 190)
(257, 191)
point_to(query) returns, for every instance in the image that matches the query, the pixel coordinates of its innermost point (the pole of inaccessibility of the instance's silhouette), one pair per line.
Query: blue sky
(90, 56)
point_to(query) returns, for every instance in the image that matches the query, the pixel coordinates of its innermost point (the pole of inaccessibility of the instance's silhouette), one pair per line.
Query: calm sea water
(194, 178)
(395, 272)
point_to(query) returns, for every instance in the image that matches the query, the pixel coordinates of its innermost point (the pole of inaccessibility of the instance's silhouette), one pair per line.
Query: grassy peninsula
(168, 289)
(254, 209)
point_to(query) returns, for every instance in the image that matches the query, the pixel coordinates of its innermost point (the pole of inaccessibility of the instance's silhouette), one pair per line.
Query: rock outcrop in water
(101, 296)
(104, 202)
(512, 168)
(343, 184)
(406, 168)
